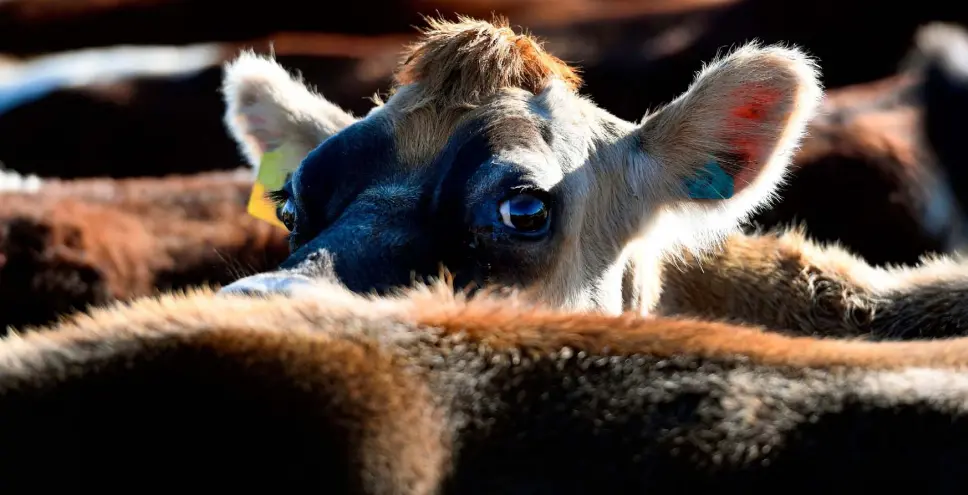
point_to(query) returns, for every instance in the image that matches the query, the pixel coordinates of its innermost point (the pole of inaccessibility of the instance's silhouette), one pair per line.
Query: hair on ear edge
(262, 97)
(708, 224)
(248, 79)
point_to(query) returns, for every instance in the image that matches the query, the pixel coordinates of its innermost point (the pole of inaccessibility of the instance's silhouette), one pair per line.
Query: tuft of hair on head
(464, 61)
(267, 106)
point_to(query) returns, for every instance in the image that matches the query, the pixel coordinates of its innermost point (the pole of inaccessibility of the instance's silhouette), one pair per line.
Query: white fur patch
(935, 386)
(12, 181)
(24, 82)
(946, 43)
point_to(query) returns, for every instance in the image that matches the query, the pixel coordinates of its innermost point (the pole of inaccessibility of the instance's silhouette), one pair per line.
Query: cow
(114, 110)
(486, 160)
(404, 189)
(431, 392)
(66, 245)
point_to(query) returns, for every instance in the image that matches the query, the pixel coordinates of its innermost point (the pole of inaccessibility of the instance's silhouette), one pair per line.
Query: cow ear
(267, 107)
(721, 149)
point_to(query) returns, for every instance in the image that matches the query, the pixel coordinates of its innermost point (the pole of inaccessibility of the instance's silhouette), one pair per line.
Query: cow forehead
(510, 118)
(402, 154)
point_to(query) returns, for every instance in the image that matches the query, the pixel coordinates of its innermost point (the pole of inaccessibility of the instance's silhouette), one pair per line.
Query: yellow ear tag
(274, 168)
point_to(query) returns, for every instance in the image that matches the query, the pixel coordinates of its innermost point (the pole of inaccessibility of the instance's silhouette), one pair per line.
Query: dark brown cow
(876, 173)
(114, 112)
(658, 43)
(146, 111)
(866, 179)
(70, 244)
(429, 394)
(661, 50)
(29, 27)
(943, 56)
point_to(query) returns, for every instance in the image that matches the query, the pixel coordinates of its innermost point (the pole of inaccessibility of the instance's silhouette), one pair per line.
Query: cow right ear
(267, 107)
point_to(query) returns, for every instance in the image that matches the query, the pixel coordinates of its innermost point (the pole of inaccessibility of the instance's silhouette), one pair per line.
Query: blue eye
(287, 215)
(525, 212)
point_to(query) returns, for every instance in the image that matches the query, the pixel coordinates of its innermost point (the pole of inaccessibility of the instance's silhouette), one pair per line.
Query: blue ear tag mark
(711, 182)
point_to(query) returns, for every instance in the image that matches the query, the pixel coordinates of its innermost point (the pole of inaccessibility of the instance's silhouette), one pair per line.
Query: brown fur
(78, 243)
(428, 393)
(505, 321)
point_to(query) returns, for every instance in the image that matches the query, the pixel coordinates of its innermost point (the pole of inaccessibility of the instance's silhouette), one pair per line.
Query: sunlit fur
(788, 283)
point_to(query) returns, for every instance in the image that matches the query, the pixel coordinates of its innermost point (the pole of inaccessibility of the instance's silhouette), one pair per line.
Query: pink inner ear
(259, 128)
(747, 140)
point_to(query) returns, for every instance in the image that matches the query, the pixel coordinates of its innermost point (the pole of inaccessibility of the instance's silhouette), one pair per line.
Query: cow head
(485, 160)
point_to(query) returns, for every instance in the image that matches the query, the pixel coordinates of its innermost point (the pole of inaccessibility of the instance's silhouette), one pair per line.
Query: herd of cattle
(788, 355)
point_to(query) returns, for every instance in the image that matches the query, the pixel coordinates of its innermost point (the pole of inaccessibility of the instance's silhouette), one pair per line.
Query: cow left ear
(723, 146)
(266, 108)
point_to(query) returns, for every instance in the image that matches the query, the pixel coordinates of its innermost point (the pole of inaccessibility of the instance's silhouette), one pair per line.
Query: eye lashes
(278, 198)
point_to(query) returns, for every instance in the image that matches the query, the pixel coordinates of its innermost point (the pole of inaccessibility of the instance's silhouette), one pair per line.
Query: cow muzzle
(270, 284)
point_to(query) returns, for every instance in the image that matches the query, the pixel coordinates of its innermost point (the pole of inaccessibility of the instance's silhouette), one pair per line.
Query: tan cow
(486, 160)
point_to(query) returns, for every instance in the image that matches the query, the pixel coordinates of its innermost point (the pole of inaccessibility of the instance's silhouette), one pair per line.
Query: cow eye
(287, 215)
(525, 212)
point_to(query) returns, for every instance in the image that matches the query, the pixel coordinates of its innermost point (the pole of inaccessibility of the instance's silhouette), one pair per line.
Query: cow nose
(268, 284)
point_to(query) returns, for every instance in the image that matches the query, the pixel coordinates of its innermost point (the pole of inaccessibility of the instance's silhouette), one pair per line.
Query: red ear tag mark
(758, 102)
